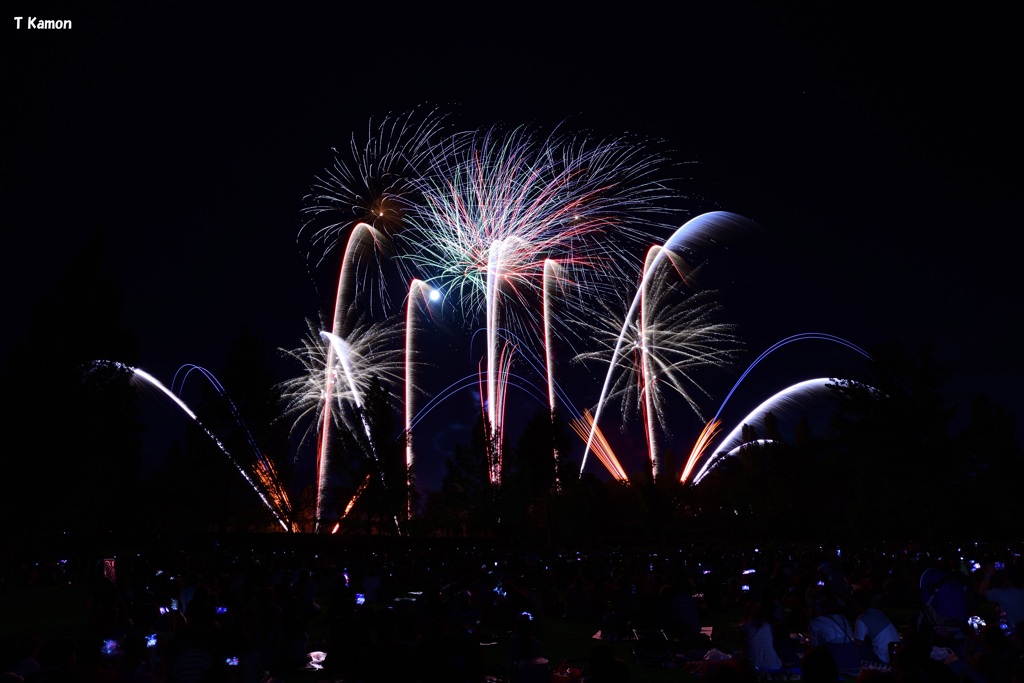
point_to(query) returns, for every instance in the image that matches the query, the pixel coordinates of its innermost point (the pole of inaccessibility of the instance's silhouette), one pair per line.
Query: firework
(337, 374)
(803, 336)
(498, 208)
(703, 229)
(789, 397)
(587, 430)
(372, 182)
(418, 291)
(707, 435)
(674, 336)
(705, 439)
(268, 488)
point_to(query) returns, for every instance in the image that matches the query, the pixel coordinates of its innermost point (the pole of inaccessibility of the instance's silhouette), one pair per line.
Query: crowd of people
(427, 614)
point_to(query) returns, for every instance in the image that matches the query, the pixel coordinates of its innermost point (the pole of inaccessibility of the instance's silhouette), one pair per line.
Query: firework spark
(707, 435)
(418, 291)
(338, 372)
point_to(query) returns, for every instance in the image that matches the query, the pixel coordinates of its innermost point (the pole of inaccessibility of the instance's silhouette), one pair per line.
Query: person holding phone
(1005, 589)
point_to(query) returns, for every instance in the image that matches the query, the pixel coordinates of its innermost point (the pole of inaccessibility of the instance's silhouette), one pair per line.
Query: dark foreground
(249, 608)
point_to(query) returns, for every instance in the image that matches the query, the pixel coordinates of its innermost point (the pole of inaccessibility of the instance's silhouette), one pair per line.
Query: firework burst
(372, 182)
(499, 209)
(665, 347)
(496, 206)
(350, 365)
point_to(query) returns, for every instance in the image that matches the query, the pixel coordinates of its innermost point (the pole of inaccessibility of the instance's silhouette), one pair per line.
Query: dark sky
(880, 152)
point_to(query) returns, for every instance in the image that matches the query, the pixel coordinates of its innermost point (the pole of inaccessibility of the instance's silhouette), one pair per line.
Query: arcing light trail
(279, 507)
(418, 291)
(704, 228)
(803, 336)
(705, 439)
(781, 399)
(264, 467)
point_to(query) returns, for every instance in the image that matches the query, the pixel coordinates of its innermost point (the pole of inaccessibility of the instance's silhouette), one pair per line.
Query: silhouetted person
(525, 651)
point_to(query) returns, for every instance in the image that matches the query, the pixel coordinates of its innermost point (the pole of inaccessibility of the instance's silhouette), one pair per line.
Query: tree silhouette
(74, 431)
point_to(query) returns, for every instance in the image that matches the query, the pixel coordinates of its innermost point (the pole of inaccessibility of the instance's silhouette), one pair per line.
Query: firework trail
(704, 440)
(263, 467)
(700, 448)
(585, 427)
(498, 206)
(275, 504)
(703, 229)
(788, 397)
(674, 336)
(422, 292)
(551, 277)
(364, 193)
(803, 336)
(515, 381)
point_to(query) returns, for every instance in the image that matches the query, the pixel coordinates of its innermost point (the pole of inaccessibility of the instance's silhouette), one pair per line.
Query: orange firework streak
(352, 503)
(602, 449)
(268, 476)
(707, 435)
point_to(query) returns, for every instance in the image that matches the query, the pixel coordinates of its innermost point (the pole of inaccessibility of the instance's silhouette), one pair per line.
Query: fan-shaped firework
(677, 335)
(371, 349)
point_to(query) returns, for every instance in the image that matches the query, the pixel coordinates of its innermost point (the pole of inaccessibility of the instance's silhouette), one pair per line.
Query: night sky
(879, 152)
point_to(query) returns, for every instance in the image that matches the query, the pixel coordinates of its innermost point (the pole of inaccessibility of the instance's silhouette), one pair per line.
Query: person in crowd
(1004, 587)
(872, 627)
(758, 639)
(525, 651)
(829, 624)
